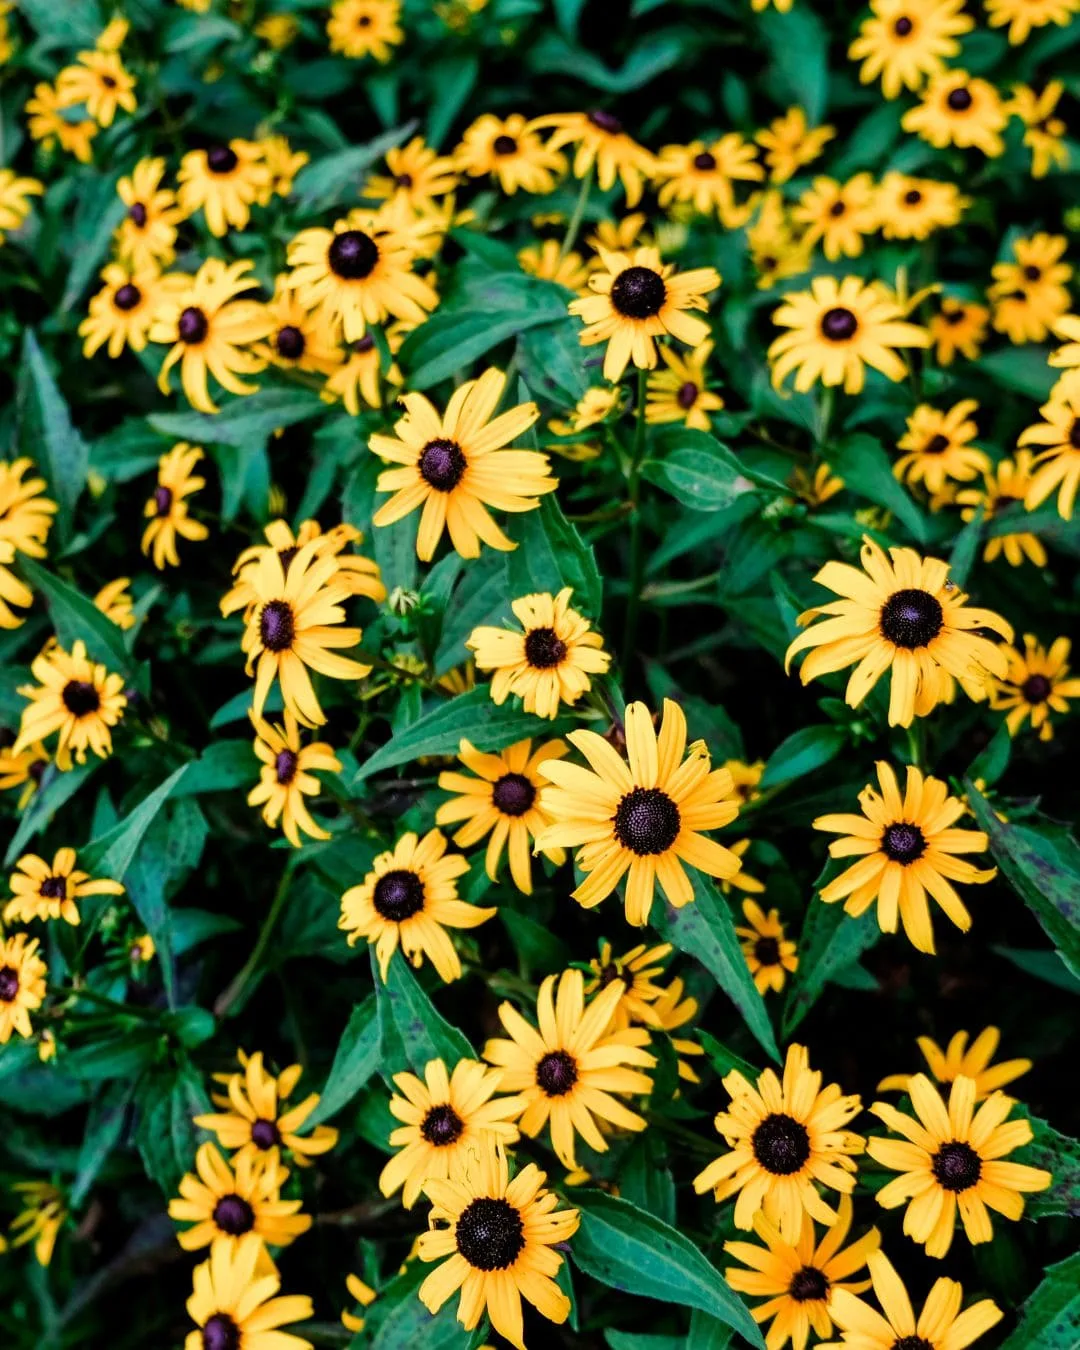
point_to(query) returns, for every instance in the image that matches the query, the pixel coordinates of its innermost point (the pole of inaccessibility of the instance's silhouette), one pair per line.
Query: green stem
(637, 556)
(824, 417)
(575, 220)
(915, 740)
(236, 988)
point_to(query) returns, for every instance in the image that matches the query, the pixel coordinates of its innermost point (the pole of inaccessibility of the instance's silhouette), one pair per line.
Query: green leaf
(1050, 1319)
(550, 555)
(111, 855)
(397, 1319)
(635, 1253)
(1041, 965)
(724, 1060)
(643, 1340)
(1060, 1156)
(645, 1178)
(222, 766)
(339, 177)
(472, 715)
(478, 599)
(829, 943)
(100, 212)
(962, 557)
(696, 469)
(56, 789)
(865, 468)
(101, 1134)
(356, 1060)
(1043, 868)
(425, 1034)
(394, 546)
(804, 752)
(166, 1137)
(992, 761)
(704, 929)
(453, 80)
(1024, 370)
(799, 45)
(74, 616)
(47, 434)
(243, 422)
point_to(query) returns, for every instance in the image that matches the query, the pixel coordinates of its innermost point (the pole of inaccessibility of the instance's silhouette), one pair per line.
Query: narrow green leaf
(101, 1134)
(799, 46)
(550, 555)
(962, 557)
(1050, 1319)
(356, 1060)
(56, 789)
(830, 941)
(865, 468)
(425, 1034)
(223, 765)
(111, 855)
(1041, 965)
(339, 177)
(635, 1253)
(453, 79)
(804, 752)
(992, 761)
(75, 617)
(244, 422)
(47, 434)
(166, 1136)
(722, 1059)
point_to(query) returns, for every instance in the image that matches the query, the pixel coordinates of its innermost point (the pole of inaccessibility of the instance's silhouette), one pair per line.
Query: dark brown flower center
(1036, 689)
(364, 344)
(936, 445)
(285, 763)
(903, 26)
(233, 1215)
(290, 343)
(404, 180)
(80, 698)
(687, 395)
(126, 296)
(37, 770)
(9, 984)
(53, 888)
(1074, 434)
(953, 316)
(162, 500)
(556, 1073)
(137, 214)
(442, 1126)
(544, 649)
(638, 292)
(837, 209)
(285, 557)
(609, 973)
(808, 1284)
(1032, 273)
(398, 895)
(265, 1134)
(903, 843)
(353, 255)
(705, 162)
(277, 625)
(956, 1166)
(605, 121)
(647, 822)
(912, 1343)
(221, 159)
(220, 1333)
(192, 326)
(108, 82)
(767, 951)
(490, 1234)
(513, 794)
(838, 324)
(504, 145)
(912, 197)
(959, 100)
(911, 618)
(442, 465)
(781, 1145)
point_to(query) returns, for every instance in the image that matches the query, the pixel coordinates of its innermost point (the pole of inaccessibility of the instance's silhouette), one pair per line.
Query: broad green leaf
(704, 929)
(242, 422)
(696, 469)
(706, 1333)
(47, 434)
(74, 616)
(567, 14)
(397, 1319)
(722, 1059)
(471, 715)
(1023, 370)
(633, 1252)
(425, 1034)
(552, 361)
(799, 46)
(829, 943)
(479, 598)
(101, 1134)
(1043, 868)
(77, 24)
(1050, 1319)
(645, 1178)
(550, 555)
(223, 765)
(992, 761)
(453, 79)
(167, 1139)
(865, 468)
(804, 752)
(962, 557)
(340, 176)
(1059, 1155)
(1041, 965)
(356, 1060)
(111, 855)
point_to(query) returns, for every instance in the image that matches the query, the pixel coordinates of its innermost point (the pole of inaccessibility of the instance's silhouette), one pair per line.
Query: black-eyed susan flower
(256, 1120)
(815, 487)
(1004, 483)
(644, 817)
(22, 986)
(502, 802)
(278, 30)
(600, 140)
(680, 393)
(548, 261)
(900, 613)
(783, 1136)
(43, 1214)
(224, 181)
(1031, 294)
(48, 122)
(42, 890)
(25, 512)
(299, 339)
(115, 602)
(636, 969)
(619, 236)
(498, 1237)
(770, 955)
(1057, 468)
(953, 1158)
(836, 331)
(295, 624)
(358, 276)
(359, 575)
(23, 770)
(146, 237)
(409, 899)
(360, 376)
(286, 778)
(940, 1326)
(283, 163)
(74, 696)
(838, 214)
(673, 1011)
(573, 1069)
(1044, 131)
(121, 313)
(777, 249)
(100, 83)
(234, 1307)
(224, 1201)
(958, 1058)
(789, 144)
(595, 406)
(15, 194)
(444, 1116)
(167, 510)
(937, 446)
(907, 847)
(704, 173)
(958, 109)
(512, 152)
(1035, 685)
(458, 465)
(1022, 16)
(638, 299)
(415, 171)
(959, 326)
(913, 208)
(359, 28)
(208, 330)
(907, 40)
(798, 1279)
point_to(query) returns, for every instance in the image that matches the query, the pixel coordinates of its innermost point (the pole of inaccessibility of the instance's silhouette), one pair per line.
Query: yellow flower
(960, 110)
(416, 172)
(298, 339)
(22, 991)
(638, 299)
(76, 697)
(1031, 293)
(838, 214)
(25, 769)
(601, 142)
(48, 124)
(122, 312)
(907, 40)
(147, 234)
(547, 261)
(1035, 685)
(410, 898)
(14, 203)
(278, 30)
(360, 374)
(815, 488)
(575, 1067)
(673, 1011)
(618, 236)
(286, 777)
(635, 969)
(776, 248)
(359, 28)
(958, 327)
(511, 151)
(224, 1201)
(1024, 15)
(1006, 482)
(142, 950)
(25, 512)
(789, 144)
(678, 394)
(1044, 133)
(224, 180)
(1058, 466)
(959, 1058)
(913, 208)
(283, 164)
(783, 1136)
(167, 509)
(232, 1302)
(705, 174)
(364, 1295)
(43, 1217)
(768, 953)
(100, 82)
(594, 407)
(937, 446)
(49, 891)
(115, 602)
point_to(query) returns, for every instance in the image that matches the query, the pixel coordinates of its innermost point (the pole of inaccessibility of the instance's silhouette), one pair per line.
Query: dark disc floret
(233, 1215)
(53, 888)
(638, 293)
(705, 162)
(137, 214)
(265, 1134)
(9, 984)
(290, 342)
(286, 763)
(936, 445)
(277, 625)
(398, 895)
(1032, 273)
(605, 121)
(513, 794)
(912, 197)
(192, 326)
(767, 951)
(126, 296)
(911, 618)
(687, 395)
(442, 465)
(163, 499)
(647, 822)
(221, 159)
(490, 1234)
(808, 1284)
(504, 145)
(363, 345)
(1036, 689)
(353, 255)
(912, 1343)
(903, 26)
(220, 1333)
(544, 649)
(838, 324)
(954, 316)
(1074, 434)
(903, 843)
(556, 1073)
(781, 1144)
(837, 209)
(956, 1166)
(80, 698)
(959, 100)
(442, 1126)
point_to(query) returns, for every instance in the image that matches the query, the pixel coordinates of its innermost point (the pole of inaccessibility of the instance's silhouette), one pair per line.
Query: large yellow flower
(1031, 294)
(44, 890)
(937, 447)
(233, 1305)
(511, 152)
(958, 1058)
(960, 110)
(359, 28)
(838, 214)
(416, 172)
(22, 986)
(1024, 15)
(167, 509)
(75, 696)
(99, 82)
(705, 173)
(146, 236)
(224, 181)
(224, 1201)
(1035, 684)
(679, 393)
(913, 208)
(599, 139)
(644, 817)
(907, 40)
(1004, 483)
(958, 327)
(122, 312)
(1057, 468)
(299, 339)
(789, 144)
(286, 778)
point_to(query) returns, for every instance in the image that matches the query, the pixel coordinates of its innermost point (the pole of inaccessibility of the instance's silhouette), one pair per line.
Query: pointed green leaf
(1050, 1319)
(47, 434)
(425, 1034)
(356, 1061)
(830, 941)
(75, 617)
